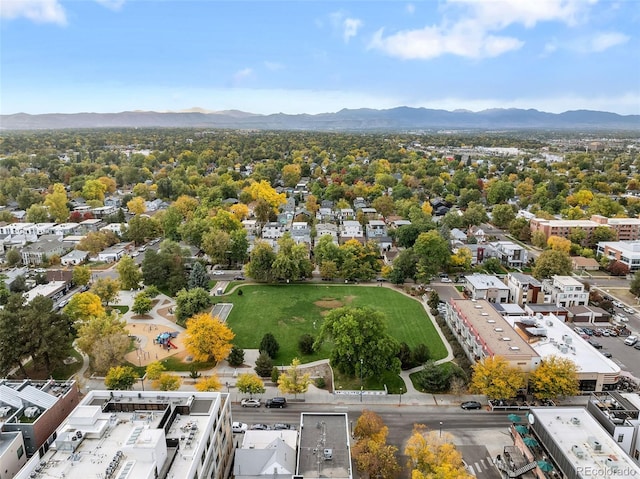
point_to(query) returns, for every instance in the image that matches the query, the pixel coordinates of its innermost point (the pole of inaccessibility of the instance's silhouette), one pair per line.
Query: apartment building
(566, 291)
(627, 252)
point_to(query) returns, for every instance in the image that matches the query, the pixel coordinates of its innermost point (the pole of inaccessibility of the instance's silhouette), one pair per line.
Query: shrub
(320, 383)
(236, 356)
(264, 365)
(305, 344)
(239, 292)
(420, 354)
(269, 345)
(275, 374)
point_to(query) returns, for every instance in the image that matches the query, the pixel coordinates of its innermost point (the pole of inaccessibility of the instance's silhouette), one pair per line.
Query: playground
(154, 342)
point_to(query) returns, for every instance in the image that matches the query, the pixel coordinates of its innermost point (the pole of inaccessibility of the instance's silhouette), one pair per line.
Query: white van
(631, 340)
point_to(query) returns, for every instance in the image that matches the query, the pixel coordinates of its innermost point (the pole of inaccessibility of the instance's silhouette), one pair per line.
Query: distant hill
(399, 119)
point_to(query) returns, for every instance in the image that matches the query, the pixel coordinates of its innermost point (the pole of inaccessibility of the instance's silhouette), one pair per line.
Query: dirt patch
(329, 303)
(320, 371)
(142, 316)
(349, 299)
(166, 314)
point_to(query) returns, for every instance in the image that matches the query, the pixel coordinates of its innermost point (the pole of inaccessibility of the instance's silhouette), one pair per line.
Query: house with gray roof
(46, 247)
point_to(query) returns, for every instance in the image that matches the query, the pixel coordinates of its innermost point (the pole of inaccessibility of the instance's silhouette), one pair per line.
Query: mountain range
(394, 119)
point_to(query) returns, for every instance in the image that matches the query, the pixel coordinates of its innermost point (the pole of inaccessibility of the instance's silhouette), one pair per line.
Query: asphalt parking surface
(624, 356)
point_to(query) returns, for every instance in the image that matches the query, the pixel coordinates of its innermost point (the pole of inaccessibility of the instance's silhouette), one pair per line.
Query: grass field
(288, 311)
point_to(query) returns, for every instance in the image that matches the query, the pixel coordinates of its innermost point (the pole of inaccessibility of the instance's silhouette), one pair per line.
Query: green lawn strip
(288, 311)
(350, 383)
(175, 364)
(122, 309)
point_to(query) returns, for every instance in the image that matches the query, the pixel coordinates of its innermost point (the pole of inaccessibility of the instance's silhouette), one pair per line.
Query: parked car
(629, 310)
(471, 405)
(283, 427)
(607, 354)
(238, 278)
(623, 318)
(239, 427)
(276, 402)
(613, 332)
(259, 427)
(637, 346)
(218, 273)
(618, 304)
(595, 344)
(250, 402)
(578, 330)
(631, 340)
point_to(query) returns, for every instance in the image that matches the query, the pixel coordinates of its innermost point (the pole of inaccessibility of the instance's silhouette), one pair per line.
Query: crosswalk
(478, 468)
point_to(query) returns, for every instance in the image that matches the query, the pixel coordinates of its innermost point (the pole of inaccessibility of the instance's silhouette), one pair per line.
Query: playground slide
(171, 345)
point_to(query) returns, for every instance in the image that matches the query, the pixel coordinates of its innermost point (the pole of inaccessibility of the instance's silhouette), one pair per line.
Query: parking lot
(624, 356)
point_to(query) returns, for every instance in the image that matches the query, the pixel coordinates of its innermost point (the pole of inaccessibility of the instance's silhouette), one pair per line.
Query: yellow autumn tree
(291, 174)
(84, 306)
(210, 383)
(208, 338)
(433, 455)
(137, 205)
(556, 377)
(292, 381)
(496, 378)
(427, 209)
(249, 383)
(168, 382)
(580, 198)
(263, 190)
(56, 202)
(558, 243)
(240, 211)
(371, 453)
(186, 205)
(154, 370)
(93, 190)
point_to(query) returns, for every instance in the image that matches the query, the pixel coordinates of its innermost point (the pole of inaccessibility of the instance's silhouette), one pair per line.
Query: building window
(620, 437)
(20, 452)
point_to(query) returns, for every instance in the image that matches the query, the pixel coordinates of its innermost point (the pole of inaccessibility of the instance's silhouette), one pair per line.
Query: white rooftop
(43, 290)
(262, 439)
(590, 450)
(129, 436)
(485, 281)
(562, 341)
(622, 246)
(566, 280)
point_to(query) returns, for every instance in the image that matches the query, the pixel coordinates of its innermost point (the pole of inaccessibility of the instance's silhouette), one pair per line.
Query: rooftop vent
(506, 339)
(574, 420)
(594, 443)
(498, 330)
(484, 314)
(514, 348)
(577, 451)
(491, 321)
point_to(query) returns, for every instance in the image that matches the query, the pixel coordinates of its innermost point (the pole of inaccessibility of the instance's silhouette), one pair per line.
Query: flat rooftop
(324, 449)
(133, 432)
(44, 290)
(494, 330)
(590, 450)
(485, 281)
(562, 341)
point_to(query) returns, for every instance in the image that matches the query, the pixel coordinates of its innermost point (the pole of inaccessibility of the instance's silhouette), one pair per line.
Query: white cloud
(243, 74)
(464, 40)
(115, 5)
(603, 41)
(347, 27)
(38, 11)
(475, 29)
(410, 8)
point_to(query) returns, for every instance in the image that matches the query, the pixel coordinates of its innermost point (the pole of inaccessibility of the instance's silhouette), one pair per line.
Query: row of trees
(555, 377)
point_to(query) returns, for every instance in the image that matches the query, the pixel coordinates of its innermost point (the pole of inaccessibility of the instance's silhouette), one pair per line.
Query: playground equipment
(165, 339)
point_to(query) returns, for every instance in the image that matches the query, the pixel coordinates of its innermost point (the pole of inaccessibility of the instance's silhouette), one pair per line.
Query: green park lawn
(288, 311)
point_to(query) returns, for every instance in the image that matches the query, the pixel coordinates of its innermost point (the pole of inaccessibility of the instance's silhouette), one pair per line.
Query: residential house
(113, 253)
(90, 225)
(113, 201)
(65, 229)
(458, 235)
(350, 229)
(346, 214)
(117, 228)
(376, 229)
(272, 231)
(300, 232)
(74, 258)
(510, 254)
(266, 454)
(580, 263)
(524, 289)
(359, 203)
(327, 229)
(566, 291)
(485, 286)
(588, 314)
(46, 247)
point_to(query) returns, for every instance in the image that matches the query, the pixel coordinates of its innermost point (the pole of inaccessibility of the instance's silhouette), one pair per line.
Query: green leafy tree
(37, 214)
(120, 378)
(264, 365)
(191, 302)
(13, 257)
(404, 267)
(81, 275)
(141, 303)
(432, 252)
(269, 345)
(436, 378)
(216, 244)
(634, 286)
(129, 273)
(106, 289)
(261, 262)
(499, 192)
(502, 215)
(292, 381)
(251, 384)
(292, 260)
(551, 263)
(361, 343)
(236, 357)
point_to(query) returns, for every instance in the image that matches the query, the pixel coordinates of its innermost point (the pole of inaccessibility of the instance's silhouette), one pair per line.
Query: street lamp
(440, 428)
(361, 385)
(400, 396)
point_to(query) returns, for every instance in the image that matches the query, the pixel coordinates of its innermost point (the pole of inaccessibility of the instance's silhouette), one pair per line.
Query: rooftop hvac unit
(594, 443)
(549, 322)
(574, 420)
(577, 451)
(564, 349)
(32, 411)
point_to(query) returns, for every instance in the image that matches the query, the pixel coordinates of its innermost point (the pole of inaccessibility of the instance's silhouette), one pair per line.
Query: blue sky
(312, 57)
